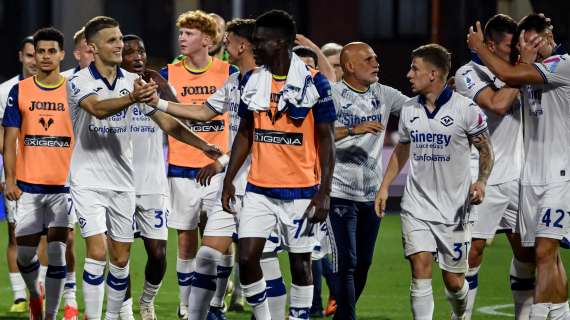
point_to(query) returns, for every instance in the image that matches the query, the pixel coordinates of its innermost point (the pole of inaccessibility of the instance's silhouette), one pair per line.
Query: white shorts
(188, 198)
(545, 212)
(10, 207)
(499, 210)
(36, 212)
(323, 247)
(221, 223)
(151, 213)
(100, 210)
(260, 215)
(449, 243)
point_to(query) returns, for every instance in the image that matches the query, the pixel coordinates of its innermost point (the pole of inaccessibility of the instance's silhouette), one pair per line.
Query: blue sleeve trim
(41, 188)
(324, 110)
(211, 108)
(284, 193)
(85, 97)
(478, 92)
(12, 116)
(153, 111)
(164, 72)
(233, 69)
(541, 73)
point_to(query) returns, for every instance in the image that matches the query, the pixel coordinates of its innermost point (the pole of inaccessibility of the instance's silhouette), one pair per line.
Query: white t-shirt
(437, 187)
(103, 154)
(505, 131)
(358, 169)
(547, 124)
(149, 161)
(5, 88)
(227, 99)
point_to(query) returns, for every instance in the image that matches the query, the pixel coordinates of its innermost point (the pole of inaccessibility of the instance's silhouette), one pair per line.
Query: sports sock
(29, 266)
(539, 311)
(117, 284)
(69, 298)
(93, 288)
(421, 296)
(276, 290)
(43, 272)
(149, 292)
(255, 296)
(472, 277)
(55, 276)
(522, 287)
(204, 282)
(300, 300)
(126, 312)
(458, 300)
(185, 272)
(18, 286)
(225, 266)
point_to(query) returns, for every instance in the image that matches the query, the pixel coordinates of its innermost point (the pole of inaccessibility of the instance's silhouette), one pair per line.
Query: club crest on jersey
(446, 121)
(46, 124)
(82, 222)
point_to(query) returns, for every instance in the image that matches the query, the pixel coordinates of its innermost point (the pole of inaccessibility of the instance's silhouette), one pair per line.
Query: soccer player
(363, 107)
(238, 43)
(26, 57)
(332, 53)
(101, 172)
(150, 178)
(499, 211)
(436, 130)
(37, 119)
(82, 52)
(545, 219)
(194, 79)
(290, 177)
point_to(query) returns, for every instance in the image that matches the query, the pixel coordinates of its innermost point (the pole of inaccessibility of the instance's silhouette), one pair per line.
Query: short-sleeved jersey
(195, 86)
(505, 131)
(148, 160)
(227, 99)
(285, 162)
(45, 138)
(70, 72)
(5, 88)
(358, 168)
(547, 124)
(103, 153)
(437, 187)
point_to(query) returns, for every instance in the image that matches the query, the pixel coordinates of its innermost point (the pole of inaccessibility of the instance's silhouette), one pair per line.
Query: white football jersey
(358, 169)
(547, 124)
(437, 186)
(103, 153)
(5, 88)
(505, 131)
(227, 99)
(148, 159)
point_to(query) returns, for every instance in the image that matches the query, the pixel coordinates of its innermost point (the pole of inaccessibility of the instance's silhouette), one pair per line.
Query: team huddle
(280, 148)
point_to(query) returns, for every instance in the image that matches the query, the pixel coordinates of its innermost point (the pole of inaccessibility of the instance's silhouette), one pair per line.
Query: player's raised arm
(324, 65)
(398, 160)
(512, 75)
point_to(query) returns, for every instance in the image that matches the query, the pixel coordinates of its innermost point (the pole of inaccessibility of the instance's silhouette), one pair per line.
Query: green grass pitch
(386, 295)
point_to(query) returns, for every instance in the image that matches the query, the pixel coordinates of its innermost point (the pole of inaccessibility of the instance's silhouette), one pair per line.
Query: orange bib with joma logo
(46, 139)
(195, 88)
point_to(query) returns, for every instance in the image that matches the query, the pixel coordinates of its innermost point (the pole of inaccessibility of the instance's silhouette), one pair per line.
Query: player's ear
(62, 55)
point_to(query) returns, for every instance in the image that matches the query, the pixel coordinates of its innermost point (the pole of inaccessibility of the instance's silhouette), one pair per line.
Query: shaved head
(359, 64)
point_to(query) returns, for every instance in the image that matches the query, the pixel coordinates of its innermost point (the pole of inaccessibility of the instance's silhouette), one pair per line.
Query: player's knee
(453, 282)
(301, 272)
(121, 261)
(26, 255)
(247, 260)
(157, 250)
(96, 253)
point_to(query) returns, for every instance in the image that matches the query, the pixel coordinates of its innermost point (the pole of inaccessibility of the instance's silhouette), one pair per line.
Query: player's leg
(419, 246)
(42, 255)
(121, 225)
(317, 304)
(150, 215)
(342, 227)
(329, 276)
(185, 197)
(256, 221)
(17, 283)
(69, 299)
(276, 290)
(367, 227)
(522, 276)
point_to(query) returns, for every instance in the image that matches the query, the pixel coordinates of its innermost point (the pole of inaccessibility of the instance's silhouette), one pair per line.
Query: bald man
(363, 107)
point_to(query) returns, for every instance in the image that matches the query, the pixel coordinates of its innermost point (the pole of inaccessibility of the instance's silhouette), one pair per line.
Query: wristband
(162, 105)
(224, 160)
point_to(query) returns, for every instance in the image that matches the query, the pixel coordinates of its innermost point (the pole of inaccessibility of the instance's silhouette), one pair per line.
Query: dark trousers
(353, 230)
(322, 268)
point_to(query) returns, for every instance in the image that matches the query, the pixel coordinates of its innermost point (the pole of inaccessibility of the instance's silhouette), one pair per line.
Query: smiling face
(108, 45)
(48, 55)
(134, 56)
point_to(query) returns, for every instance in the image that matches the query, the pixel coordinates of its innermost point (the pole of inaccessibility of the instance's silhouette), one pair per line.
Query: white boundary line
(493, 310)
